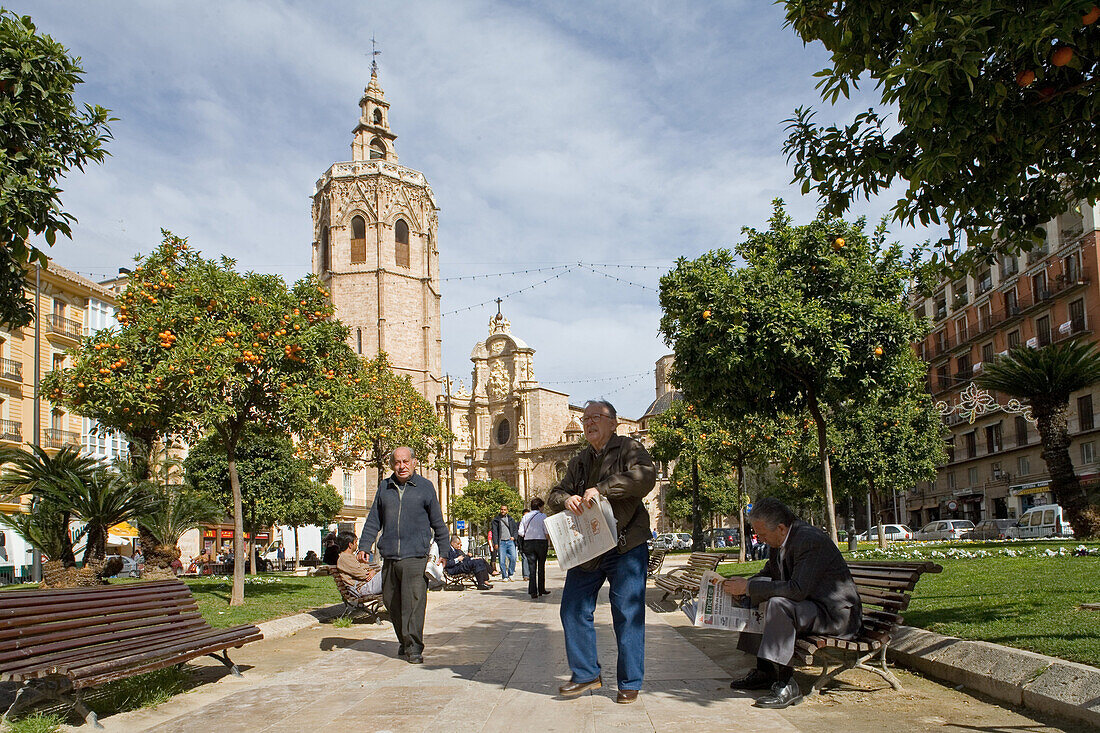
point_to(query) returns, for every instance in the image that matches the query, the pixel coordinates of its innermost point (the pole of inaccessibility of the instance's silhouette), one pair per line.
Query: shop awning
(125, 529)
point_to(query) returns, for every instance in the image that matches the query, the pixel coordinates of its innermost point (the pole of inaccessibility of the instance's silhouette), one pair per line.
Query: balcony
(66, 327)
(1008, 271)
(985, 284)
(12, 370)
(960, 300)
(1037, 254)
(11, 430)
(1062, 283)
(1071, 328)
(54, 438)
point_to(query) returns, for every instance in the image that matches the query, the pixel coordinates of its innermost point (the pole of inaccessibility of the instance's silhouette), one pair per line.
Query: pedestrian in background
(533, 531)
(504, 529)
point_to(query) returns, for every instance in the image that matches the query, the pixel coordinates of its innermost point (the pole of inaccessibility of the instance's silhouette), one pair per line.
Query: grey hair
(603, 403)
(772, 512)
(412, 453)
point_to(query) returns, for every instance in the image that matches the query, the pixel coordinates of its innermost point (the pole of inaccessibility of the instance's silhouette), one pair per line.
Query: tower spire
(375, 53)
(373, 139)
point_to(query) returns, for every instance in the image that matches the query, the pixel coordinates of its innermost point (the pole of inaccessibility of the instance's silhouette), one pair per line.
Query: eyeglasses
(594, 418)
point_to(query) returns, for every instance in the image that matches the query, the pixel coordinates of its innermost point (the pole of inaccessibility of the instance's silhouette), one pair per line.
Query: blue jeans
(626, 574)
(507, 550)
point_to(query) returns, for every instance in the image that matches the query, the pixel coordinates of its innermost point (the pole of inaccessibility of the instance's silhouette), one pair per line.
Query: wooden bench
(58, 643)
(656, 560)
(354, 603)
(885, 589)
(458, 581)
(683, 582)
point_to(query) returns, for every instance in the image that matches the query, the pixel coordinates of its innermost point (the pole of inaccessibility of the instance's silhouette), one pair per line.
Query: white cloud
(553, 132)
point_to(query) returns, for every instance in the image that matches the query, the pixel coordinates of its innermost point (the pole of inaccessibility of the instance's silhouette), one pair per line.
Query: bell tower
(374, 246)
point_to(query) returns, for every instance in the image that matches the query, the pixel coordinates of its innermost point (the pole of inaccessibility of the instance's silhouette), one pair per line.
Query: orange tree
(203, 348)
(711, 448)
(817, 316)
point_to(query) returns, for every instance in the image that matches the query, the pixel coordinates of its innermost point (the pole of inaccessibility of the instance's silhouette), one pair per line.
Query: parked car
(944, 529)
(682, 540)
(129, 567)
(1041, 521)
(892, 532)
(990, 529)
(660, 542)
(728, 535)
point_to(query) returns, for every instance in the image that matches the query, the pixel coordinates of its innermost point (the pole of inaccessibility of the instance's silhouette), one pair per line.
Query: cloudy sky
(622, 134)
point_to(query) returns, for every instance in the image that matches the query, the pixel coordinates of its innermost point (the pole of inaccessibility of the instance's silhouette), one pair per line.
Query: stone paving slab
(494, 661)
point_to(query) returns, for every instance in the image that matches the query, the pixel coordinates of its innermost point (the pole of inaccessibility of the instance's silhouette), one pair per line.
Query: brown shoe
(576, 688)
(625, 697)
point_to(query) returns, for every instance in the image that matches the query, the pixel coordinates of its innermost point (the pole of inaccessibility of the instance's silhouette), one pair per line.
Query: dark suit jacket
(812, 570)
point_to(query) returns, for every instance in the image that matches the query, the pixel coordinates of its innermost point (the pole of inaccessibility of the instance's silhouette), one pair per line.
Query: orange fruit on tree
(1025, 78)
(878, 351)
(1091, 17)
(1061, 56)
(838, 242)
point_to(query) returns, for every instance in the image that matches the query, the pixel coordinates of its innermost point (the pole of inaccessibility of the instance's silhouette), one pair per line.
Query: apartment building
(70, 306)
(994, 468)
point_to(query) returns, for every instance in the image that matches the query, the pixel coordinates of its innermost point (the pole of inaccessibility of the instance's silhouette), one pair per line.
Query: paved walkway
(494, 662)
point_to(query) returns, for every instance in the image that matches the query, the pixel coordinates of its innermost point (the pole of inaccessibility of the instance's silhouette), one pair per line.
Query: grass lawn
(1023, 602)
(266, 597)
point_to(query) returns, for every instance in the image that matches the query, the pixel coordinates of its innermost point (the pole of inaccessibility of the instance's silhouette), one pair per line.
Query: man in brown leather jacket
(619, 469)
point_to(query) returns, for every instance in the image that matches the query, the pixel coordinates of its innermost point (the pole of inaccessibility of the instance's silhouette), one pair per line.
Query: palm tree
(177, 510)
(102, 500)
(1044, 379)
(37, 473)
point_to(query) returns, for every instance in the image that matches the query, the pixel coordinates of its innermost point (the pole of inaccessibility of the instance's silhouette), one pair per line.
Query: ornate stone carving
(499, 324)
(499, 384)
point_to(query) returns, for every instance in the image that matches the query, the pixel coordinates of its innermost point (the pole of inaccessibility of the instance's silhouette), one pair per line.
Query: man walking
(620, 470)
(504, 537)
(809, 589)
(407, 512)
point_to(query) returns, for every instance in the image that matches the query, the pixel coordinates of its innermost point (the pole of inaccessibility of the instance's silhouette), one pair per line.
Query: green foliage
(43, 135)
(36, 723)
(102, 500)
(815, 318)
(316, 504)
(44, 478)
(272, 477)
(1044, 379)
(481, 501)
(992, 138)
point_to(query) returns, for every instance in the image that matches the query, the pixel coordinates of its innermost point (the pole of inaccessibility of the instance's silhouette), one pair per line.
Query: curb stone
(1023, 678)
(280, 628)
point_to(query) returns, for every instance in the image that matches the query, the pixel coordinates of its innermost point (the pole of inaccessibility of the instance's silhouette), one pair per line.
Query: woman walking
(533, 531)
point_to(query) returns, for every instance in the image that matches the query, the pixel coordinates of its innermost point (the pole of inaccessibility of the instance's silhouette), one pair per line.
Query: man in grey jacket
(407, 512)
(809, 589)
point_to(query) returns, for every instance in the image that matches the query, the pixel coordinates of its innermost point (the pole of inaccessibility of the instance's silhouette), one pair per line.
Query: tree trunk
(1052, 424)
(696, 518)
(96, 544)
(295, 546)
(876, 509)
(740, 512)
(823, 454)
(236, 598)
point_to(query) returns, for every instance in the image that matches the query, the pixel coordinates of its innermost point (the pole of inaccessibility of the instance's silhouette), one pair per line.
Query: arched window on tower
(324, 251)
(359, 341)
(401, 243)
(377, 149)
(377, 116)
(358, 240)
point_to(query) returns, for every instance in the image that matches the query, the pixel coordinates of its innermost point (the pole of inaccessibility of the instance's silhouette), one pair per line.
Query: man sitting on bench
(360, 578)
(458, 562)
(809, 590)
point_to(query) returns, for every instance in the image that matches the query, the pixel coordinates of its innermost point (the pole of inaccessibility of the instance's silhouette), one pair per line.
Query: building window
(965, 371)
(1042, 330)
(377, 149)
(58, 362)
(993, 443)
(985, 317)
(971, 444)
(951, 480)
(504, 431)
(1013, 339)
(359, 341)
(1039, 285)
(960, 329)
(401, 243)
(1012, 303)
(944, 379)
(1088, 452)
(377, 116)
(961, 297)
(1023, 466)
(951, 450)
(987, 352)
(1021, 430)
(985, 281)
(941, 306)
(1070, 225)
(1071, 268)
(324, 250)
(358, 240)
(972, 476)
(1077, 316)
(1084, 412)
(1009, 266)
(347, 488)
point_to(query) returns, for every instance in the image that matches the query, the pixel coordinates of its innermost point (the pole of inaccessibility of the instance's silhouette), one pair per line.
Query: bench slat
(33, 625)
(90, 668)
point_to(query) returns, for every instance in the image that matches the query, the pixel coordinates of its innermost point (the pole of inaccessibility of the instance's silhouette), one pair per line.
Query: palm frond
(1050, 373)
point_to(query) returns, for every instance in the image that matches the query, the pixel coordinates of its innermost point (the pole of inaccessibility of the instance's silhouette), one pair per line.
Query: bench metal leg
(860, 662)
(24, 690)
(882, 672)
(83, 710)
(224, 659)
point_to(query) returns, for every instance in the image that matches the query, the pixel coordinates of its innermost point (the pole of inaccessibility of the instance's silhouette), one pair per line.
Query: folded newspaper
(715, 609)
(580, 537)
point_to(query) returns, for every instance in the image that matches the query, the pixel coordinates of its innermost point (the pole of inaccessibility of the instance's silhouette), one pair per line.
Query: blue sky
(552, 133)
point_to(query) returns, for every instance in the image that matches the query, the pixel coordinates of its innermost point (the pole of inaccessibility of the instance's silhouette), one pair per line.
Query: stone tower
(374, 245)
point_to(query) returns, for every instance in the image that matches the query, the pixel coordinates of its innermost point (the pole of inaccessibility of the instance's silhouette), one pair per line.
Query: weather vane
(374, 52)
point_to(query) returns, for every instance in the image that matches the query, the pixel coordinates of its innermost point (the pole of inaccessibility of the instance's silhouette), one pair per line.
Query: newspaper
(578, 538)
(716, 609)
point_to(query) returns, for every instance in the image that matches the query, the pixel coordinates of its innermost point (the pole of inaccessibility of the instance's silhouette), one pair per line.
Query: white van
(1041, 521)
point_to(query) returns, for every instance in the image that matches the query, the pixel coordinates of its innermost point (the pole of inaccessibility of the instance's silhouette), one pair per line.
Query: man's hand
(576, 503)
(361, 556)
(442, 561)
(736, 586)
